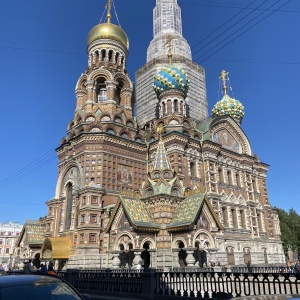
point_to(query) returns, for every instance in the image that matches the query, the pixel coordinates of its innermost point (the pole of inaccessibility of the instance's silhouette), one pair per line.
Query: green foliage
(290, 229)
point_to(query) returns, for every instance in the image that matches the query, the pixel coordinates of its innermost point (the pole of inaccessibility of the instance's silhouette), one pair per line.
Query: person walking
(29, 268)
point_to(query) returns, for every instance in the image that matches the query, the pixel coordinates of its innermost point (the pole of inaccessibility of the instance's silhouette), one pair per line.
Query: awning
(56, 247)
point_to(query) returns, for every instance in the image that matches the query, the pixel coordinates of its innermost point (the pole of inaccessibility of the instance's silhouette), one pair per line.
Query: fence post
(69, 275)
(148, 283)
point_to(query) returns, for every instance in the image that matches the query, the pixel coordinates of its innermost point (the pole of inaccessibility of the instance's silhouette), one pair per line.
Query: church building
(169, 187)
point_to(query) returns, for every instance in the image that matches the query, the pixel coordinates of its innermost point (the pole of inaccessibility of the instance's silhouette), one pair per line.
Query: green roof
(137, 212)
(187, 211)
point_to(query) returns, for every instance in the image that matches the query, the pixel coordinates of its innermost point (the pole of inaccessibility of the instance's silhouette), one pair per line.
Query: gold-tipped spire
(160, 130)
(108, 7)
(224, 79)
(169, 43)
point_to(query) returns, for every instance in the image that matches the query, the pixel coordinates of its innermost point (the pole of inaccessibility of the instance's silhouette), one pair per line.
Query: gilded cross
(160, 130)
(108, 7)
(224, 78)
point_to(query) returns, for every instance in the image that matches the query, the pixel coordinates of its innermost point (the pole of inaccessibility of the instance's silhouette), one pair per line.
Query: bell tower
(105, 84)
(167, 23)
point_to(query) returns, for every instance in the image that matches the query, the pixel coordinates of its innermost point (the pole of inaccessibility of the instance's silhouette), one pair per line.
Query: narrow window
(69, 206)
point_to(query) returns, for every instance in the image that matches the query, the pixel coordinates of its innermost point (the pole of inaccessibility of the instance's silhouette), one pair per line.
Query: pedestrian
(29, 267)
(288, 265)
(43, 269)
(51, 271)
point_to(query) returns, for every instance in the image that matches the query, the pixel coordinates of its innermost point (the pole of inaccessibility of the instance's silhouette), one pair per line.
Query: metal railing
(192, 282)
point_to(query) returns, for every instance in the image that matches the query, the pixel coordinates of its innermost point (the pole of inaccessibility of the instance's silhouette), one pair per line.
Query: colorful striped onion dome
(171, 77)
(229, 106)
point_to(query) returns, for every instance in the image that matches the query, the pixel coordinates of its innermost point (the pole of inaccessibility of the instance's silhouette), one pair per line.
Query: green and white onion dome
(229, 106)
(171, 77)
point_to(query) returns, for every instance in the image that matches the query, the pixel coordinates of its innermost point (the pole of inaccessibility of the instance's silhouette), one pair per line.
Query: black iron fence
(193, 282)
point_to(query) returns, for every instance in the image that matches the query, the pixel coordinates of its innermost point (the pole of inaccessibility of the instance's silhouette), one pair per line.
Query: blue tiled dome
(171, 77)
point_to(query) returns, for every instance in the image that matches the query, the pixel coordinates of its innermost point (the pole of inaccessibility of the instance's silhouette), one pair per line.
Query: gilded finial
(224, 78)
(169, 43)
(108, 7)
(160, 130)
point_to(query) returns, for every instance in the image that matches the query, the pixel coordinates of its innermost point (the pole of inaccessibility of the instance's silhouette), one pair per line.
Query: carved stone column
(111, 86)
(137, 257)
(190, 259)
(126, 96)
(116, 262)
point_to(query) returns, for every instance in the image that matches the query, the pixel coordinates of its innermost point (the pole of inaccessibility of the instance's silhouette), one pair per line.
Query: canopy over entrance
(56, 248)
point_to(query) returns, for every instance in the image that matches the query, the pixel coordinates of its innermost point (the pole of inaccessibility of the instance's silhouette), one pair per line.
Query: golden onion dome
(108, 31)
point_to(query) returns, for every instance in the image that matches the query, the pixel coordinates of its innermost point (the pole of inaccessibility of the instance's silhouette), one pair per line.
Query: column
(137, 261)
(190, 259)
(116, 262)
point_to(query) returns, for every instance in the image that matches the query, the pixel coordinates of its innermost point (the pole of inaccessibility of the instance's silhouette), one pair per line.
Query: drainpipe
(204, 168)
(155, 249)
(107, 250)
(171, 249)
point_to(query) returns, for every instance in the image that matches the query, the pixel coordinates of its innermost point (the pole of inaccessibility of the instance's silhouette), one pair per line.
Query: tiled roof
(187, 211)
(137, 212)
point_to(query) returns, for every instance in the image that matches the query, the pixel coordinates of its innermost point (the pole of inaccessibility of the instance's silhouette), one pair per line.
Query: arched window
(69, 198)
(193, 169)
(110, 55)
(96, 57)
(229, 176)
(163, 107)
(110, 131)
(175, 108)
(117, 57)
(103, 54)
(101, 89)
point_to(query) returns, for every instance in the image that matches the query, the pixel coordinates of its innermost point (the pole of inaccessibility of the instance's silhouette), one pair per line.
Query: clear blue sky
(42, 54)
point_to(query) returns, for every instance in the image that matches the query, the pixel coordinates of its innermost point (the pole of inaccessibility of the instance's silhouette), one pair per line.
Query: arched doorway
(230, 256)
(200, 255)
(181, 255)
(146, 255)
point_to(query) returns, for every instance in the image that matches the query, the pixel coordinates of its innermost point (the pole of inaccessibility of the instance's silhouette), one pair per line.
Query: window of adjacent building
(0, 251)
(18, 252)
(82, 218)
(94, 200)
(92, 237)
(7, 251)
(8, 242)
(1, 241)
(93, 218)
